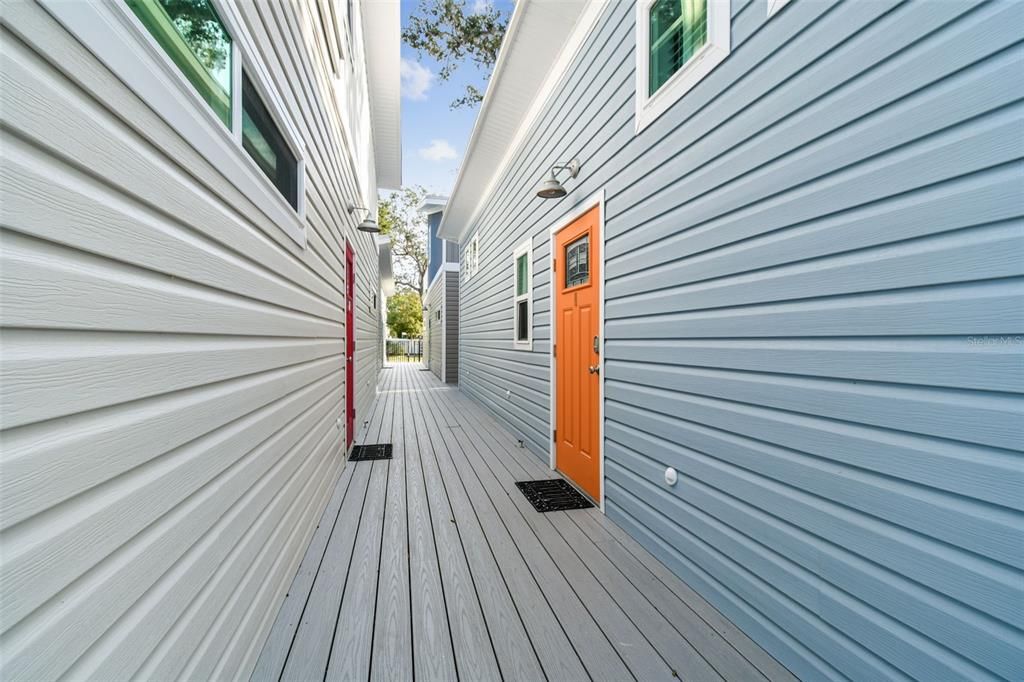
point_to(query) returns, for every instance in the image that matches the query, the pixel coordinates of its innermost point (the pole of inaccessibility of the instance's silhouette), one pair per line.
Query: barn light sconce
(367, 225)
(551, 188)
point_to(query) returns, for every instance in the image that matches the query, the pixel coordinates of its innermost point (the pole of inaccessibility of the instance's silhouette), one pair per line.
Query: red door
(350, 345)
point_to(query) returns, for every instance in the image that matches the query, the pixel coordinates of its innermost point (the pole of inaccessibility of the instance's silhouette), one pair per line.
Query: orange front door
(577, 346)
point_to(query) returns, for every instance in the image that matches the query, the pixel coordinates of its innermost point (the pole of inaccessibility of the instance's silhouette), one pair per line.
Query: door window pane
(192, 35)
(678, 30)
(264, 142)
(577, 265)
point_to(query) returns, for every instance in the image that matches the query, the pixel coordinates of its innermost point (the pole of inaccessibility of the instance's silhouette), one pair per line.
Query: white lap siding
(173, 369)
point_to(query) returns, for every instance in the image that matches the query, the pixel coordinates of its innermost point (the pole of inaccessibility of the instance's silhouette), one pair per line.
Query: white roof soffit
(432, 203)
(382, 25)
(387, 275)
(542, 36)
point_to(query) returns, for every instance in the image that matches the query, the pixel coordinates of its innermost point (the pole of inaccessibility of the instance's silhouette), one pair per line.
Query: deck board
(433, 566)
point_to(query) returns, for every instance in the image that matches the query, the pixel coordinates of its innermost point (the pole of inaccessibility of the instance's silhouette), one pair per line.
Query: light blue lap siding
(813, 312)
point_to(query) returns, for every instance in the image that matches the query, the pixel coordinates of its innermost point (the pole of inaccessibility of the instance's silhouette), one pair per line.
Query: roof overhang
(541, 39)
(387, 275)
(432, 203)
(382, 26)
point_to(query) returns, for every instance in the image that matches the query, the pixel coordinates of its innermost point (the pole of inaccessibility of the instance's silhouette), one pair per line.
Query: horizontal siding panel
(72, 623)
(45, 554)
(923, 361)
(972, 309)
(988, 532)
(81, 212)
(38, 473)
(983, 473)
(992, 420)
(72, 372)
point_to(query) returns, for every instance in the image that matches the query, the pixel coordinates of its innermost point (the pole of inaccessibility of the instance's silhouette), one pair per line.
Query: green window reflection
(192, 35)
(679, 29)
(521, 278)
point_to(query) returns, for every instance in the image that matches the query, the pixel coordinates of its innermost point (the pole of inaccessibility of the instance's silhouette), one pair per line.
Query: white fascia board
(382, 44)
(515, 98)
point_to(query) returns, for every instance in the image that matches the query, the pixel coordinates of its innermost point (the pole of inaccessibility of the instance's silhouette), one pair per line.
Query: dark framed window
(262, 138)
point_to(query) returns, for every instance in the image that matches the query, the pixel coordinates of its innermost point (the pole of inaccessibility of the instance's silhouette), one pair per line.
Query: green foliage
(198, 24)
(405, 315)
(445, 31)
(399, 219)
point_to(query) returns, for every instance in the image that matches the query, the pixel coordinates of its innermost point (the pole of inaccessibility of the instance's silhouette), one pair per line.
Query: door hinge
(554, 264)
(554, 436)
(554, 350)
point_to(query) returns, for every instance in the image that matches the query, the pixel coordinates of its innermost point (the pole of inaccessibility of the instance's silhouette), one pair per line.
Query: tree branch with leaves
(445, 31)
(400, 220)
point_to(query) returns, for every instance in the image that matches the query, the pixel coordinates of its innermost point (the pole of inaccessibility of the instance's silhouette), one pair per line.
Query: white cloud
(439, 150)
(481, 6)
(416, 80)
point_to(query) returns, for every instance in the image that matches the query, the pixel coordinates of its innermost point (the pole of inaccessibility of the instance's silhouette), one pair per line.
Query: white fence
(405, 349)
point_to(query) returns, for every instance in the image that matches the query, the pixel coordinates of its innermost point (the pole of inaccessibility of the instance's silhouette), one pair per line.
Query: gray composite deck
(433, 566)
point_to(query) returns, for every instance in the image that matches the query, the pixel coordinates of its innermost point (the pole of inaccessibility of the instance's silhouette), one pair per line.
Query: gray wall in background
(435, 345)
(442, 329)
(810, 260)
(451, 322)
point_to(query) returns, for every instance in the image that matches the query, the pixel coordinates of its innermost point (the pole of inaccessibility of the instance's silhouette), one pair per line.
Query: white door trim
(596, 199)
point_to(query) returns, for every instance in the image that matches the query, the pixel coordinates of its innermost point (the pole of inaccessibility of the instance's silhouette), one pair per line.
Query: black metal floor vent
(362, 453)
(424, 369)
(553, 495)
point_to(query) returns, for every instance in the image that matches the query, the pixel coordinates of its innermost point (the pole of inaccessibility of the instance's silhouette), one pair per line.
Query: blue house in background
(748, 273)
(441, 300)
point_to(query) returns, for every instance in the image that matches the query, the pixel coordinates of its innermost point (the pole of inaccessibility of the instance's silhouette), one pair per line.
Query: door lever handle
(594, 369)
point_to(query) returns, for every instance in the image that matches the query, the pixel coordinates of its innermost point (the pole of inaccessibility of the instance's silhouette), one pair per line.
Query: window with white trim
(197, 41)
(679, 42)
(522, 294)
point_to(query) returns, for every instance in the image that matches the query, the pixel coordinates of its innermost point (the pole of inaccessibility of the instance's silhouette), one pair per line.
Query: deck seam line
(433, 534)
(533, 575)
(482, 460)
(490, 550)
(348, 574)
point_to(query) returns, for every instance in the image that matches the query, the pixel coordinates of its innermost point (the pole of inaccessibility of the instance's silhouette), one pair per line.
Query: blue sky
(434, 136)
